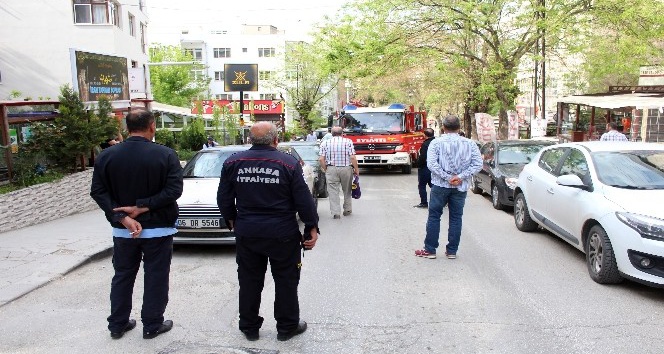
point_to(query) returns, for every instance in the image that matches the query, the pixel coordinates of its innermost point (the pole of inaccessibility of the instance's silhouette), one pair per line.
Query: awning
(620, 100)
(174, 110)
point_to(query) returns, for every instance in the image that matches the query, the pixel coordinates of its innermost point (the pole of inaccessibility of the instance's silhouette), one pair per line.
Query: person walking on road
(423, 172)
(338, 161)
(612, 133)
(137, 184)
(260, 192)
(452, 160)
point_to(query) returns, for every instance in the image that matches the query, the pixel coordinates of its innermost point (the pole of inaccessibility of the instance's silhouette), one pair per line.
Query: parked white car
(605, 199)
(200, 221)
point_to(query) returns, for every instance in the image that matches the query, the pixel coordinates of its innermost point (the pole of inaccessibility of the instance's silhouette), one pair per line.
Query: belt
(338, 166)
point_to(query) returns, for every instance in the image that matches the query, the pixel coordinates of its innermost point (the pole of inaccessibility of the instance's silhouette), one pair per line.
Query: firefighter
(260, 192)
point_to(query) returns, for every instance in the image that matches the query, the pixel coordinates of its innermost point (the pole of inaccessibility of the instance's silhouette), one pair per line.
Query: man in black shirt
(260, 192)
(137, 184)
(423, 172)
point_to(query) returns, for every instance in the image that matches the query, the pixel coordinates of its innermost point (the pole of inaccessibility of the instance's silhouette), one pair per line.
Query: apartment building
(96, 46)
(264, 45)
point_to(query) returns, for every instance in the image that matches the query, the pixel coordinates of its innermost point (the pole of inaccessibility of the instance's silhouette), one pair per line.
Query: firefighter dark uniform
(262, 189)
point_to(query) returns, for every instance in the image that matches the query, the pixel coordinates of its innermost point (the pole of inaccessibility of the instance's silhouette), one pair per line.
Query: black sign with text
(240, 77)
(101, 75)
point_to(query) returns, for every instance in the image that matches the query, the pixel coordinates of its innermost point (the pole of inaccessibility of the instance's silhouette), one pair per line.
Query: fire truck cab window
(374, 122)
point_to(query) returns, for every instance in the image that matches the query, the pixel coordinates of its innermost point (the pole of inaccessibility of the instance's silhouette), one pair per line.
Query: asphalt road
(363, 291)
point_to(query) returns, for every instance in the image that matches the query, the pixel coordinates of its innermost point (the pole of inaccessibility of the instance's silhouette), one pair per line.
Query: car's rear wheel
(407, 169)
(522, 218)
(600, 257)
(495, 198)
(473, 186)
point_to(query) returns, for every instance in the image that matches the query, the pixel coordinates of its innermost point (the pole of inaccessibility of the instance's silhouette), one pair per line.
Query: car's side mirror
(571, 181)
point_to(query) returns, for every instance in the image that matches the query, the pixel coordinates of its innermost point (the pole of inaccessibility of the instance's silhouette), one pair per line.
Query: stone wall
(46, 202)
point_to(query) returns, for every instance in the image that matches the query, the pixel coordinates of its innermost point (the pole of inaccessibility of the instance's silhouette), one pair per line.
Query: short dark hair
(428, 132)
(139, 120)
(451, 123)
(613, 125)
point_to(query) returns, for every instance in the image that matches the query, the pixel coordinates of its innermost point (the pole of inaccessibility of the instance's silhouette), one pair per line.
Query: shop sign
(100, 75)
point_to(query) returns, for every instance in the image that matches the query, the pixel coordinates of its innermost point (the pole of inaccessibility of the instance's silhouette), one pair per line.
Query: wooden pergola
(31, 116)
(619, 98)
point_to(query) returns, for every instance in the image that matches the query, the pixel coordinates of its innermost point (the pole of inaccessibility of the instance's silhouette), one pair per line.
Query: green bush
(165, 137)
(185, 154)
(193, 135)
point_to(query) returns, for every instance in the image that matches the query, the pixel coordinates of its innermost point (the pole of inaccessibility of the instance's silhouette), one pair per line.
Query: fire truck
(388, 136)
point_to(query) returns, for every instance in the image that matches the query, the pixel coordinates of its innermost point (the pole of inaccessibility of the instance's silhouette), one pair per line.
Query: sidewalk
(33, 256)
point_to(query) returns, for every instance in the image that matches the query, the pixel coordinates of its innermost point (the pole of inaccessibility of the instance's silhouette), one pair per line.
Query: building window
(224, 96)
(218, 76)
(265, 52)
(197, 74)
(143, 37)
(264, 75)
(97, 12)
(222, 52)
(141, 4)
(244, 50)
(246, 96)
(196, 53)
(134, 64)
(268, 96)
(132, 25)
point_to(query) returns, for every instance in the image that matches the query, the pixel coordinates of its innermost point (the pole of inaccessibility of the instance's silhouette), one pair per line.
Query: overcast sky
(296, 17)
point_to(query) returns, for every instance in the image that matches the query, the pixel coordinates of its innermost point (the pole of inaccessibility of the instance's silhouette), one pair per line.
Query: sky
(296, 17)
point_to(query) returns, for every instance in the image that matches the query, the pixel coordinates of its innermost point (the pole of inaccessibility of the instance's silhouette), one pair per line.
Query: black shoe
(336, 216)
(346, 213)
(165, 327)
(128, 327)
(301, 327)
(421, 205)
(251, 335)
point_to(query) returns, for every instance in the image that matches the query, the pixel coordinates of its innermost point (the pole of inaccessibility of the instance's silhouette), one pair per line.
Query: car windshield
(308, 153)
(374, 122)
(630, 169)
(517, 154)
(207, 164)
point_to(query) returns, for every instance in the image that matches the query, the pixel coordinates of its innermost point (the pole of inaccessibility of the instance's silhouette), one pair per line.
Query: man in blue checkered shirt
(612, 133)
(338, 161)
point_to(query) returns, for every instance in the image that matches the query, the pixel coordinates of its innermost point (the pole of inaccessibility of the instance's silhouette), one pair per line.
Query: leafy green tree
(193, 135)
(74, 133)
(307, 80)
(482, 43)
(173, 81)
(165, 137)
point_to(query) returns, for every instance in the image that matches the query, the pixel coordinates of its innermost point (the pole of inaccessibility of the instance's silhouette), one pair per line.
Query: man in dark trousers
(260, 192)
(423, 172)
(136, 184)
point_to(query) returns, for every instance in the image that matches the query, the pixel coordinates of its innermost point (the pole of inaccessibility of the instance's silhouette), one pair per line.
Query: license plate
(372, 158)
(197, 223)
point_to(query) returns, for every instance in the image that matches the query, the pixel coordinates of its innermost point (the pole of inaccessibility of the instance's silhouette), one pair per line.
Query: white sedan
(605, 199)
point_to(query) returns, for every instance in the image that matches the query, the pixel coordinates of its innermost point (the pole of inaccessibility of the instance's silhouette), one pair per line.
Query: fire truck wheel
(407, 169)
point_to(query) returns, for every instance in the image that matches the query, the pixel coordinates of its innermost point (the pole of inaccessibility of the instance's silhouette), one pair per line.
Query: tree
(174, 82)
(307, 80)
(484, 41)
(74, 132)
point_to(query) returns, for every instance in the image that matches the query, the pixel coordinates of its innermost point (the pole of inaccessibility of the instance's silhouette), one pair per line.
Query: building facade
(264, 45)
(44, 45)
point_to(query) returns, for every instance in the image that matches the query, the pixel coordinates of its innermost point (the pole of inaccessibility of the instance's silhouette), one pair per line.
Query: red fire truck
(388, 137)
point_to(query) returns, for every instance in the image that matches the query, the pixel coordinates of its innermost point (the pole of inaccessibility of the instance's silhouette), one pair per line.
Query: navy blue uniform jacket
(262, 189)
(142, 173)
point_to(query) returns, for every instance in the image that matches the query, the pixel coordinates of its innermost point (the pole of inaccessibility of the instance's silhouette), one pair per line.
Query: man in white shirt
(210, 143)
(612, 133)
